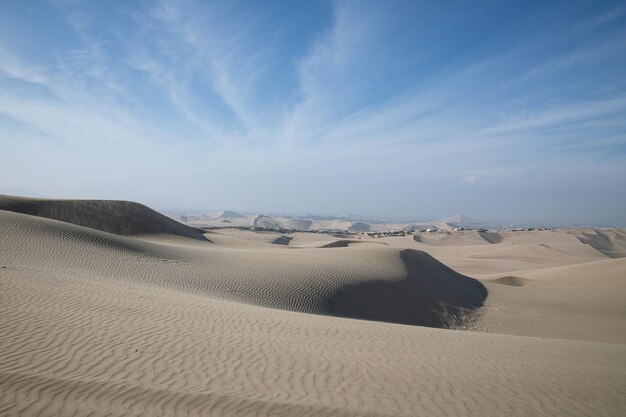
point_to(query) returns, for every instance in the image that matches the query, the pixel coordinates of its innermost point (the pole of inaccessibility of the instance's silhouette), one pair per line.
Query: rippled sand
(160, 319)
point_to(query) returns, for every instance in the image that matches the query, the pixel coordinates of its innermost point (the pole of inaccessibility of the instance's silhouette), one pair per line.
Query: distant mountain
(359, 227)
(298, 224)
(227, 214)
(458, 219)
(267, 222)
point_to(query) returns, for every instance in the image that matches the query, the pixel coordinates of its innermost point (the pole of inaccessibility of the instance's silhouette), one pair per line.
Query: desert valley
(344, 208)
(110, 308)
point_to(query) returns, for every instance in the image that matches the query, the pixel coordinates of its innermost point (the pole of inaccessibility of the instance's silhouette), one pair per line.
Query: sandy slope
(610, 242)
(541, 283)
(342, 281)
(95, 323)
(593, 314)
(93, 346)
(606, 273)
(119, 217)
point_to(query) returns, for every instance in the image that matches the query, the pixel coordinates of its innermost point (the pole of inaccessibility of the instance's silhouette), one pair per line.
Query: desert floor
(111, 309)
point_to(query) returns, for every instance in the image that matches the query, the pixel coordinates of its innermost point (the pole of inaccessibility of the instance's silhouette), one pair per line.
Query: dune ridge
(612, 243)
(124, 218)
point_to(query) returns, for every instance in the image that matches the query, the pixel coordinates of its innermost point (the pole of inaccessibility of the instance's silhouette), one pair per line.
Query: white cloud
(471, 179)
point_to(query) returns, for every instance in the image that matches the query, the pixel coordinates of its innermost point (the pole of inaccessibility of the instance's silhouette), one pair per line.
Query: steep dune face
(266, 222)
(491, 237)
(612, 243)
(282, 240)
(124, 218)
(445, 298)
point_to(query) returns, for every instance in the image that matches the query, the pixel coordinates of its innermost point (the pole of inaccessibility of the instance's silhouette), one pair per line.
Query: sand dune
(609, 274)
(306, 280)
(282, 240)
(448, 238)
(470, 254)
(359, 227)
(72, 346)
(555, 285)
(118, 217)
(591, 314)
(612, 243)
(491, 237)
(154, 321)
(227, 214)
(298, 224)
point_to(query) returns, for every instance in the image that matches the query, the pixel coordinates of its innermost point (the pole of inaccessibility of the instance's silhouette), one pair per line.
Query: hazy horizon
(499, 111)
(354, 216)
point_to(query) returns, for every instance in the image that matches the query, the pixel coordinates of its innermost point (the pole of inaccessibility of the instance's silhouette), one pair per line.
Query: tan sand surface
(156, 320)
(608, 274)
(549, 283)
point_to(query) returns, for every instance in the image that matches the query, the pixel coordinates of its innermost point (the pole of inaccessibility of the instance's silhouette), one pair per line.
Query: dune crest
(612, 243)
(124, 218)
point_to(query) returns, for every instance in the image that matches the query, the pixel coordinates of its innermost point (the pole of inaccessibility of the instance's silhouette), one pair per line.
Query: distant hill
(266, 222)
(298, 224)
(359, 227)
(228, 214)
(458, 219)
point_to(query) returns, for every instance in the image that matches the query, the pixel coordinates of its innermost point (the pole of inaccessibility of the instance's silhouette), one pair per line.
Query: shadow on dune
(283, 240)
(513, 281)
(612, 243)
(124, 218)
(344, 243)
(491, 237)
(432, 295)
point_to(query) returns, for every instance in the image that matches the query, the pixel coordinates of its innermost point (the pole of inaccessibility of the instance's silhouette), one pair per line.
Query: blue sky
(497, 110)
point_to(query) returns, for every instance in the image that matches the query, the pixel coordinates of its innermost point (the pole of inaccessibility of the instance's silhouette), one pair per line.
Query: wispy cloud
(368, 99)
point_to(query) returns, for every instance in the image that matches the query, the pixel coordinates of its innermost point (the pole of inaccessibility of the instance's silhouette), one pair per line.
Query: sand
(156, 320)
